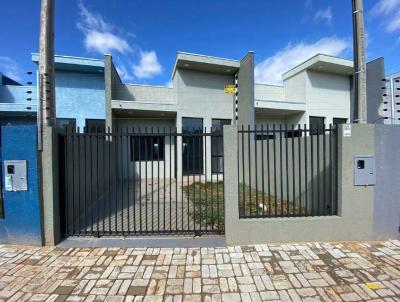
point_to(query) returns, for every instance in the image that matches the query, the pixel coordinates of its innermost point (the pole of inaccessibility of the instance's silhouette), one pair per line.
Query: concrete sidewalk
(291, 272)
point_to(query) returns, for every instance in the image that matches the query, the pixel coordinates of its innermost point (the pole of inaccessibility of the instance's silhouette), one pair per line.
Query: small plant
(208, 202)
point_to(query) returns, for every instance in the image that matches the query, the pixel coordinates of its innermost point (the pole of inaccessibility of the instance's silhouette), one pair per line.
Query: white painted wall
(327, 95)
(141, 165)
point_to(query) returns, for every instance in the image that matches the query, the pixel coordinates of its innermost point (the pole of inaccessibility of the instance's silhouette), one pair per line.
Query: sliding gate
(140, 182)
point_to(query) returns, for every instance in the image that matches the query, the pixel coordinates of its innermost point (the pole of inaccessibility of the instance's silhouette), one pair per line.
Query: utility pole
(47, 143)
(359, 76)
(46, 110)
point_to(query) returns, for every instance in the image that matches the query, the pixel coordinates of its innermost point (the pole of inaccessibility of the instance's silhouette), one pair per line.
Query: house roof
(322, 63)
(205, 63)
(69, 63)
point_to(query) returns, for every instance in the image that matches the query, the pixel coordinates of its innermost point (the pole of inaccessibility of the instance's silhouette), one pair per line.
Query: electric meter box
(364, 171)
(15, 174)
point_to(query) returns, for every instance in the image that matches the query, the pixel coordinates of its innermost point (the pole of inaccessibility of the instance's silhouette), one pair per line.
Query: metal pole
(360, 91)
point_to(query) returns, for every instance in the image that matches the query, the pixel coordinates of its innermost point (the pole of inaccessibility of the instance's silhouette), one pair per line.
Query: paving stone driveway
(295, 272)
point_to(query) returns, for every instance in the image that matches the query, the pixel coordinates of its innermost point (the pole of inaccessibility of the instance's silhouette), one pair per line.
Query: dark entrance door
(217, 156)
(192, 146)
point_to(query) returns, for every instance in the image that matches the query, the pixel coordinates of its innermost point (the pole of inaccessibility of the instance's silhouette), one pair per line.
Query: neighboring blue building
(80, 94)
(18, 103)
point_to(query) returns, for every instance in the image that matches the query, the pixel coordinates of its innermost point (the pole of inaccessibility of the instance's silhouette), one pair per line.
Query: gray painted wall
(246, 90)
(355, 218)
(387, 190)
(375, 74)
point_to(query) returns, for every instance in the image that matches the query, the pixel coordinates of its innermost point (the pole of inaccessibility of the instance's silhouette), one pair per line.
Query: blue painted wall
(80, 96)
(22, 218)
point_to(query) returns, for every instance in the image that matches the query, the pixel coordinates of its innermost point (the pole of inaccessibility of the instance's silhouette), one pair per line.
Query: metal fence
(140, 182)
(287, 171)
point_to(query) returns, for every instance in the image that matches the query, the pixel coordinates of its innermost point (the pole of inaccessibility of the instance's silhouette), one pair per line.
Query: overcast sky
(144, 35)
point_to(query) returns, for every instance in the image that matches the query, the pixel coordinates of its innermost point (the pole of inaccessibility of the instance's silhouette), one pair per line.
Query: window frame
(321, 126)
(145, 142)
(339, 118)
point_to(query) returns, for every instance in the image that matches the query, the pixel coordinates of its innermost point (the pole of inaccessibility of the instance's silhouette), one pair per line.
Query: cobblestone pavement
(292, 272)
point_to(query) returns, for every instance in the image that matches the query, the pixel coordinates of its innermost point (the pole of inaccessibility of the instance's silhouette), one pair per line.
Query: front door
(192, 146)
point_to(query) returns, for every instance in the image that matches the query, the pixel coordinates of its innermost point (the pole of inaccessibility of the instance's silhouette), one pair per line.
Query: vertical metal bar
(336, 169)
(281, 166)
(104, 184)
(132, 142)
(152, 180)
(318, 172)
(158, 181)
(324, 164)
(212, 193)
(194, 179)
(222, 226)
(330, 170)
(249, 155)
(312, 167)
(85, 209)
(200, 175)
(176, 176)
(243, 176)
(96, 173)
(206, 175)
(128, 165)
(116, 180)
(182, 197)
(66, 181)
(145, 171)
(73, 180)
(262, 169)
(139, 138)
(275, 185)
(305, 171)
(110, 139)
(120, 161)
(164, 167)
(269, 174)
(287, 170)
(294, 173)
(79, 182)
(170, 177)
(255, 166)
(299, 153)
(218, 204)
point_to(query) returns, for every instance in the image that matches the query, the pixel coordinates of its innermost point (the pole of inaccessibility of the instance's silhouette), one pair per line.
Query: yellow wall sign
(229, 88)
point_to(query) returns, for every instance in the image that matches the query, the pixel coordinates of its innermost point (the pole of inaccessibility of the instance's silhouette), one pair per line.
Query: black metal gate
(140, 182)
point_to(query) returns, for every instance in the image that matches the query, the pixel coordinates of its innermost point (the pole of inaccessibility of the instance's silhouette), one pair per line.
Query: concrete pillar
(246, 91)
(49, 185)
(231, 182)
(108, 89)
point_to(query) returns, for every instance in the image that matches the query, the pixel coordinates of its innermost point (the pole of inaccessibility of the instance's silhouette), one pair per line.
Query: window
(338, 121)
(218, 124)
(149, 148)
(193, 125)
(66, 122)
(265, 136)
(95, 125)
(317, 123)
(294, 133)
